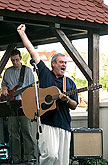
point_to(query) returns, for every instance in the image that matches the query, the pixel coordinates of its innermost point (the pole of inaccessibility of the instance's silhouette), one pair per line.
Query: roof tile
(21, 9)
(42, 11)
(35, 5)
(73, 6)
(82, 7)
(74, 2)
(74, 11)
(52, 14)
(36, 1)
(1, 8)
(90, 4)
(72, 15)
(27, 0)
(14, 2)
(66, 1)
(83, 3)
(10, 8)
(61, 15)
(54, 8)
(92, 9)
(92, 14)
(24, 3)
(55, 3)
(13, 7)
(81, 17)
(47, 2)
(33, 10)
(64, 4)
(82, 12)
(89, 19)
(89, 10)
(65, 10)
(100, 15)
(3, 5)
(4, 2)
(99, 21)
(45, 6)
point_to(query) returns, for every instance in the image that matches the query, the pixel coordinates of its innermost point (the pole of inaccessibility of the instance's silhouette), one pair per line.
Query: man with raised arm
(54, 141)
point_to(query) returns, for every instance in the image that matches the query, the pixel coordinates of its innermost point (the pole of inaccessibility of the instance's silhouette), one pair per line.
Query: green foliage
(104, 67)
(97, 162)
(104, 82)
(25, 57)
(80, 83)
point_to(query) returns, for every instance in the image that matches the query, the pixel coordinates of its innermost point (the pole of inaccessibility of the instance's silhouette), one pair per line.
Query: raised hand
(21, 28)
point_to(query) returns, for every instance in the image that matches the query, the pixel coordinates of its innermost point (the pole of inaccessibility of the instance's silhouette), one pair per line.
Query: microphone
(32, 62)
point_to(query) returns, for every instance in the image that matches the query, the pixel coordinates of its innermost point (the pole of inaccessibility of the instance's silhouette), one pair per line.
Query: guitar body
(12, 91)
(46, 100)
(9, 97)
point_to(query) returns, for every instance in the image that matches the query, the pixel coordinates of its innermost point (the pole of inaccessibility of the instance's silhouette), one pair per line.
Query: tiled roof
(89, 10)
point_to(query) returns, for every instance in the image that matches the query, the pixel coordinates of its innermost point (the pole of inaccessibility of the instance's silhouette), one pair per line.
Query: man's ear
(20, 57)
(52, 64)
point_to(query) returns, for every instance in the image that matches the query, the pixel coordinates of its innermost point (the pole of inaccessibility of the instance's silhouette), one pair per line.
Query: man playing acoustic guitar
(54, 141)
(18, 121)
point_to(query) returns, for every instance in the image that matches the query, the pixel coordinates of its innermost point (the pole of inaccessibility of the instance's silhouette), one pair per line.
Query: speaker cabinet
(86, 143)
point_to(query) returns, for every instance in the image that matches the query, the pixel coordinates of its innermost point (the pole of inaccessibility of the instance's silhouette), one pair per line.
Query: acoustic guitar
(47, 99)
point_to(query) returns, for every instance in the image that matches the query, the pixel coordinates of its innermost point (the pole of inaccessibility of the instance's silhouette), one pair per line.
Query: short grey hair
(54, 58)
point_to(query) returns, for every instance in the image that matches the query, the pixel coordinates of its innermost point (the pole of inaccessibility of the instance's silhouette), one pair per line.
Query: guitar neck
(16, 93)
(89, 88)
(76, 91)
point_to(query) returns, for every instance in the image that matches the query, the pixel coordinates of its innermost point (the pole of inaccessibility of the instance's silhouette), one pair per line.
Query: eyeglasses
(17, 59)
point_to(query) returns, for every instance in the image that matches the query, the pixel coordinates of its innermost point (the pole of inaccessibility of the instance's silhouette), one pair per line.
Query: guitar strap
(64, 90)
(17, 104)
(64, 84)
(21, 78)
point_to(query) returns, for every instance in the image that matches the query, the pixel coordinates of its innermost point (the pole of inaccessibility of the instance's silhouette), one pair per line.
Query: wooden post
(93, 96)
(6, 56)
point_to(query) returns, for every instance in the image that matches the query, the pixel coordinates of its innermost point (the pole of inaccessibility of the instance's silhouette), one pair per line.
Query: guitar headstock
(94, 87)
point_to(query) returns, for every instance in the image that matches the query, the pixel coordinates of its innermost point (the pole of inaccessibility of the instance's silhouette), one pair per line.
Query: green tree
(25, 57)
(104, 67)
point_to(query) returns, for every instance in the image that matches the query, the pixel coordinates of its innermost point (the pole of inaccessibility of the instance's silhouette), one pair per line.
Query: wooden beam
(93, 96)
(74, 54)
(21, 17)
(6, 56)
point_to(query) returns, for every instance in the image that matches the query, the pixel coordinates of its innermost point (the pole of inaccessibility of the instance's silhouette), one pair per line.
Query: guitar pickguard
(46, 106)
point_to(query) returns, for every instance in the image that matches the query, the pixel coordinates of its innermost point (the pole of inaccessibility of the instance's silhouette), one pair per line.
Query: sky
(106, 2)
(81, 45)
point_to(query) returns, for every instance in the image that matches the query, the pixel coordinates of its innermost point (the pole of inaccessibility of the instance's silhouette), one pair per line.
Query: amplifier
(86, 143)
(4, 151)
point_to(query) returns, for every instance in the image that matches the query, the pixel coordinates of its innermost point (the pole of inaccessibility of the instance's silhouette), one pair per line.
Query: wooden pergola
(58, 21)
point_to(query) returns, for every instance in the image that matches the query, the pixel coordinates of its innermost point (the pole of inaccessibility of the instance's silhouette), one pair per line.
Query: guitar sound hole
(48, 98)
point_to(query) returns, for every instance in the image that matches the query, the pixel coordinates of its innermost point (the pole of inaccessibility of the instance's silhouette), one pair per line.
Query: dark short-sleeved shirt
(59, 117)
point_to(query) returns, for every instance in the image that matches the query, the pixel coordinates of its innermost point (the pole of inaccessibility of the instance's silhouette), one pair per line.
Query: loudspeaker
(86, 143)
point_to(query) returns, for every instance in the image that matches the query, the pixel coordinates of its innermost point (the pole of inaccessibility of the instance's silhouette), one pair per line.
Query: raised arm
(27, 43)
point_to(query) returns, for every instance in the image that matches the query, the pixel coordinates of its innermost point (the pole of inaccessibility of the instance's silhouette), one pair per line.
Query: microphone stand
(37, 115)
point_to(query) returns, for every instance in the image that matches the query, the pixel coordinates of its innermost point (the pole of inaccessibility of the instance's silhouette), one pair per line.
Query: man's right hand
(4, 91)
(21, 28)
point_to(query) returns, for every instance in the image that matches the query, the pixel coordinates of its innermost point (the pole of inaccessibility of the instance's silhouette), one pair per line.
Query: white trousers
(54, 145)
